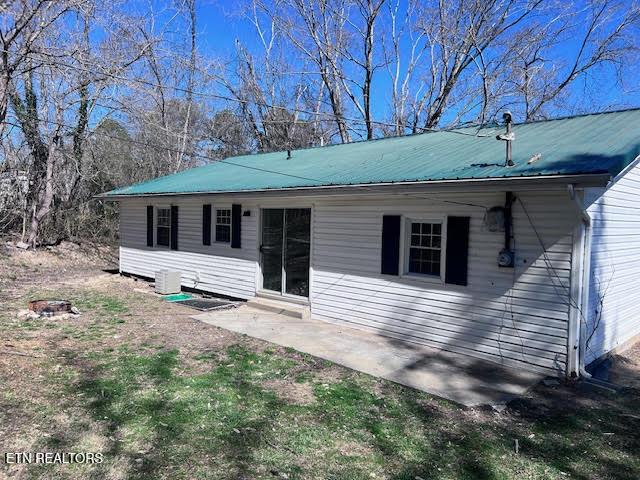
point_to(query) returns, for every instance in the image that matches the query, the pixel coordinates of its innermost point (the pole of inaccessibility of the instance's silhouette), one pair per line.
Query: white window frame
(155, 230)
(215, 225)
(406, 245)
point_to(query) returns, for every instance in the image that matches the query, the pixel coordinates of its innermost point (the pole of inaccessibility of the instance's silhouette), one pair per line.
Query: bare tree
(466, 60)
(44, 143)
(52, 96)
(229, 135)
(190, 84)
(606, 34)
(458, 33)
(359, 51)
(82, 112)
(318, 31)
(269, 99)
(167, 80)
(21, 24)
(370, 11)
(404, 34)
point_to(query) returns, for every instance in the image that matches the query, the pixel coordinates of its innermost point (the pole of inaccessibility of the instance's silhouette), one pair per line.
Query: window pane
(223, 233)
(163, 235)
(425, 244)
(296, 250)
(415, 260)
(164, 215)
(223, 217)
(271, 248)
(435, 268)
(223, 225)
(163, 230)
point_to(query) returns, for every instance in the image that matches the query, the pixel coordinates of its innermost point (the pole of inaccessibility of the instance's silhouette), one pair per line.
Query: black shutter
(206, 224)
(390, 244)
(457, 250)
(149, 226)
(236, 225)
(174, 227)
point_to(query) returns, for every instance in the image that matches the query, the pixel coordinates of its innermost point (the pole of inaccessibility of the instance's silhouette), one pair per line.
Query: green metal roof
(603, 143)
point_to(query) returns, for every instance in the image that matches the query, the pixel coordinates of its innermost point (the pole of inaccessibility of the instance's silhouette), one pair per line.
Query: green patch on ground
(228, 421)
(162, 408)
(100, 302)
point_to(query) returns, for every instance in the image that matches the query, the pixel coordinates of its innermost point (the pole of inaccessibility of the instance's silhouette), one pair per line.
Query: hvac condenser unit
(167, 282)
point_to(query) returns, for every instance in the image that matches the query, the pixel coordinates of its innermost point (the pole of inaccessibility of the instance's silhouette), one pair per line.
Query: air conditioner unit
(168, 282)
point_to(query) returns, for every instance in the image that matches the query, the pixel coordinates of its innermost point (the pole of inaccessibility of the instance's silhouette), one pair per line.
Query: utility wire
(211, 159)
(550, 268)
(544, 249)
(165, 148)
(245, 102)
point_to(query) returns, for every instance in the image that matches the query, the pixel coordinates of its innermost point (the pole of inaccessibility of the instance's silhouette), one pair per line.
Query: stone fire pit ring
(50, 307)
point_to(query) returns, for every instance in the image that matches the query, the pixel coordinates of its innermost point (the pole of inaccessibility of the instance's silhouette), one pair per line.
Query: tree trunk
(4, 95)
(45, 197)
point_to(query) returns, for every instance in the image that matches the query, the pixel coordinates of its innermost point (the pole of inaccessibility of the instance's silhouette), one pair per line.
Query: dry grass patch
(295, 393)
(163, 396)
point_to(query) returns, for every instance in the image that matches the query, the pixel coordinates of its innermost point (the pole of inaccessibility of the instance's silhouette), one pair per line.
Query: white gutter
(580, 279)
(543, 181)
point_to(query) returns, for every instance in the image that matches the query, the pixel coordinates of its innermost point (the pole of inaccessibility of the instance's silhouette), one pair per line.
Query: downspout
(580, 279)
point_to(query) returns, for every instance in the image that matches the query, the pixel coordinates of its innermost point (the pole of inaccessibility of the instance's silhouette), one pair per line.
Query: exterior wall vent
(168, 282)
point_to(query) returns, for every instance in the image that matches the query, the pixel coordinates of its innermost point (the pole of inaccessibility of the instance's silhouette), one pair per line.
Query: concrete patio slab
(464, 380)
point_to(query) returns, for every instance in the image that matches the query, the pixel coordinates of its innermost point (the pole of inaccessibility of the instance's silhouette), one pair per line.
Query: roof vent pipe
(288, 154)
(507, 137)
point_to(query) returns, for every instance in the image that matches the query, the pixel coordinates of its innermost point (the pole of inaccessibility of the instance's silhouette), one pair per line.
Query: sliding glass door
(272, 248)
(285, 250)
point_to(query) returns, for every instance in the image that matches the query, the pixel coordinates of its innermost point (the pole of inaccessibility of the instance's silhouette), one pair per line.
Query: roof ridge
(456, 129)
(578, 115)
(606, 142)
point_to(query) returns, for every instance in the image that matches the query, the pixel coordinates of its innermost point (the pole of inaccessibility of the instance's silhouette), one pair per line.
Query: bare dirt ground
(28, 360)
(626, 367)
(165, 396)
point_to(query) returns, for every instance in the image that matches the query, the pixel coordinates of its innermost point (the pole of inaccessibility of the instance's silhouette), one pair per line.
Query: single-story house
(520, 247)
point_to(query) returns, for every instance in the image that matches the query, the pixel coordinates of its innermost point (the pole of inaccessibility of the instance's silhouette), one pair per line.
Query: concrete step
(280, 307)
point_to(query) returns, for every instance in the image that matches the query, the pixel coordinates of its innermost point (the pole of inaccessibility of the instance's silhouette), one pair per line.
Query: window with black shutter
(149, 225)
(206, 224)
(174, 227)
(390, 254)
(236, 225)
(431, 248)
(457, 250)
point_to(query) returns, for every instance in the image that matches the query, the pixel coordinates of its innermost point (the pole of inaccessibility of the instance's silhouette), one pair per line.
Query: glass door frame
(282, 293)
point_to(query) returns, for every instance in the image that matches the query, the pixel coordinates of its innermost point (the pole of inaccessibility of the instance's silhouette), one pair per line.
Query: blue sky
(220, 23)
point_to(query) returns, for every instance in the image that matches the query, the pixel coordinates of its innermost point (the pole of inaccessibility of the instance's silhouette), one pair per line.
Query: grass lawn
(162, 396)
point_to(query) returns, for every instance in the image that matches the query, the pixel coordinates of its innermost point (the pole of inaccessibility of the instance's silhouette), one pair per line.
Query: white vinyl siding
(216, 268)
(615, 265)
(525, 325)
